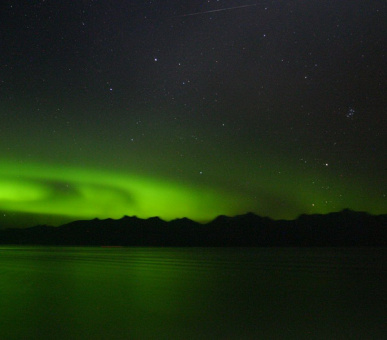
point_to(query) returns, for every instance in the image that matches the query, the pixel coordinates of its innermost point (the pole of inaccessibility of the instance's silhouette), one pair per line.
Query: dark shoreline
(342, 229)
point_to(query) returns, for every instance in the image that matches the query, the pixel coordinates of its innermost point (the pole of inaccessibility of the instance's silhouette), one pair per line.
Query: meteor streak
(215, 10)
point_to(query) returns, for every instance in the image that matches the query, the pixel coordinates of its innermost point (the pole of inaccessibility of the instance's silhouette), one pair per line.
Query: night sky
(191, 109)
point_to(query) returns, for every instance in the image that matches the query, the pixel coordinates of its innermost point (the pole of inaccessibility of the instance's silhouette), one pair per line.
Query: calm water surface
(192, 293)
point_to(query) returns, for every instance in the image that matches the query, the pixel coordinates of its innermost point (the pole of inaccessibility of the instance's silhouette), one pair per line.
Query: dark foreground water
(192, 293)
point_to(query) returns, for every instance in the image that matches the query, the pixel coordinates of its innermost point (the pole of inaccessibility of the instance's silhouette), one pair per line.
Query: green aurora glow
(56, 194)
(83, 193)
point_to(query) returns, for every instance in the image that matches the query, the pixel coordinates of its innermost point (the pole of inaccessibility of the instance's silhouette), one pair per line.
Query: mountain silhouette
(345, 228)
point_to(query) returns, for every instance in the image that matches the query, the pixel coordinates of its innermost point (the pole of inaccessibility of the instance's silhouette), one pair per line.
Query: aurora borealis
(139, 108)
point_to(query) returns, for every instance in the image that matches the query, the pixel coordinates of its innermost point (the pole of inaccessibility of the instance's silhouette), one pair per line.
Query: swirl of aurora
(86, 193)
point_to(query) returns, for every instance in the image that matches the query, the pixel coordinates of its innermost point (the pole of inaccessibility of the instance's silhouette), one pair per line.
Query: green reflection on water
(90, 292)
(171, 293)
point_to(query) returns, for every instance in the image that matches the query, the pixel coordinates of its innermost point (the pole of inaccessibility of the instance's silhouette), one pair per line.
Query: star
(351, 112)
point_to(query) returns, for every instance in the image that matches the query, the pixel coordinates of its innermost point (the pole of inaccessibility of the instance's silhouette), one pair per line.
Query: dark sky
(191, 108)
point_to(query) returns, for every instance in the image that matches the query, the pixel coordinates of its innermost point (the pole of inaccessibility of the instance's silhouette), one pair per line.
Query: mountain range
(345, 228)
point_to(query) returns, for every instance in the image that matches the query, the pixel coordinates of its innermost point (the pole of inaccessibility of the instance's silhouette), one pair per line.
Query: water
(192, 293)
